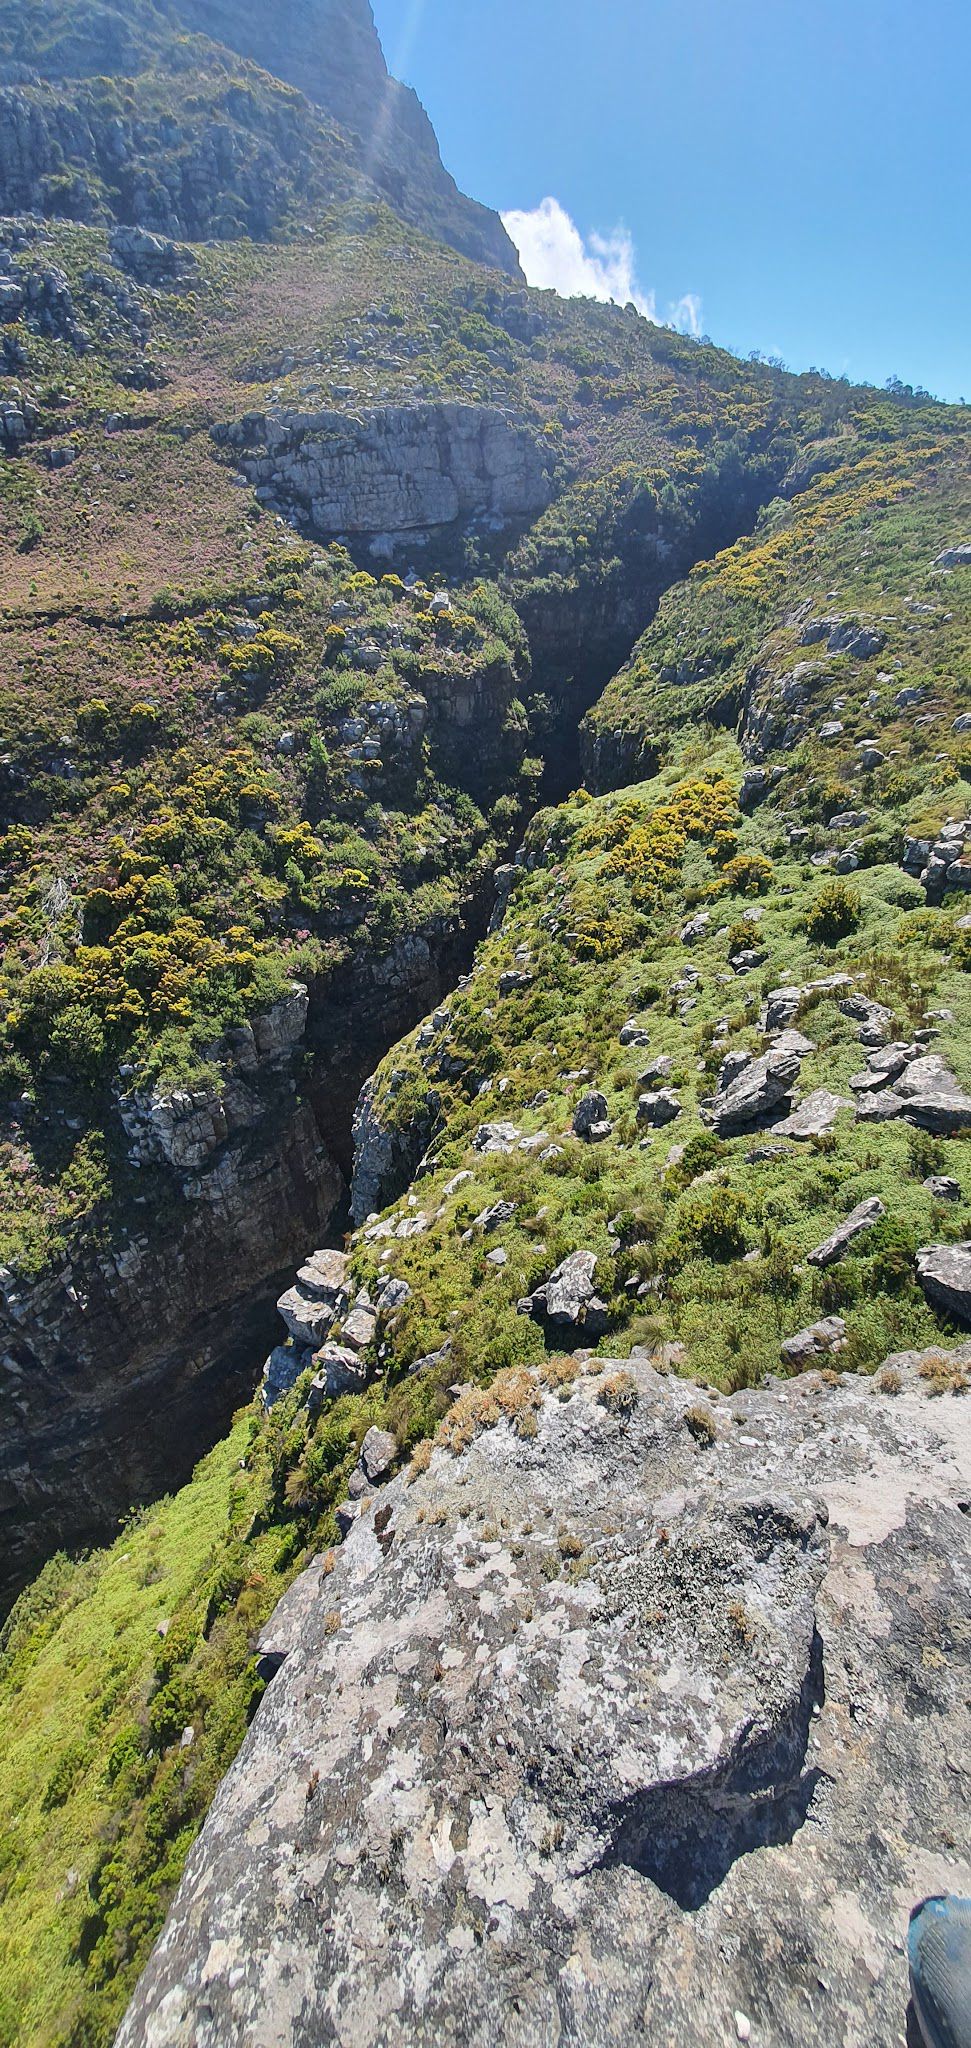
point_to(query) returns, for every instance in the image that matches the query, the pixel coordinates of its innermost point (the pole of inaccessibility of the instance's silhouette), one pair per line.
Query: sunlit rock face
(396, 469)
(635, 1714)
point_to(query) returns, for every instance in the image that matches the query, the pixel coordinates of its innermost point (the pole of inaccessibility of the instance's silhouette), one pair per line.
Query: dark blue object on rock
(939, 1953)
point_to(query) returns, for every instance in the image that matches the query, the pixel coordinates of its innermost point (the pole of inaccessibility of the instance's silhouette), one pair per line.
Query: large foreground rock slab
(634, 1713)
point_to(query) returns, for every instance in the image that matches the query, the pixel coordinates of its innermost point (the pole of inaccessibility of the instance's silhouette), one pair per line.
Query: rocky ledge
(634, 1713)
(393, 469)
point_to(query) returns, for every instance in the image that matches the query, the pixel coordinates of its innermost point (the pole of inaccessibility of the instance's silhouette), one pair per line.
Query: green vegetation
(233, 756)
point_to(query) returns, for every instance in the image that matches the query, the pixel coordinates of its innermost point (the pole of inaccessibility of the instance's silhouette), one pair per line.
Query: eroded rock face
(608, 1732)
(394, 469)
(217, 170)
(329, 49)
(117, 1369)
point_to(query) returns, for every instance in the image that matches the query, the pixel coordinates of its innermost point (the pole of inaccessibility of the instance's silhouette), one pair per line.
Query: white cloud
(556, 258)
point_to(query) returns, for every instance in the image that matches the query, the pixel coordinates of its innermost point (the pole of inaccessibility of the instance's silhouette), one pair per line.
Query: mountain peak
(73, 152)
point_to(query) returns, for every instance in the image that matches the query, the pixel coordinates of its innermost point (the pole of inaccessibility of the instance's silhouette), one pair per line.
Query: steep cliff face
(118, 1365)
(330, 50)
(393, 471)
(116, 115)
(640, 1710)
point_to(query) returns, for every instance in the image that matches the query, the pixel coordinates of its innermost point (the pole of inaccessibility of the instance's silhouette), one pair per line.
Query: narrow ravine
(130, 1396)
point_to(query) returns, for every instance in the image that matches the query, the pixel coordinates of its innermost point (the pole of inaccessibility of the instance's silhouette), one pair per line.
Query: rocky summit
(485, 1102)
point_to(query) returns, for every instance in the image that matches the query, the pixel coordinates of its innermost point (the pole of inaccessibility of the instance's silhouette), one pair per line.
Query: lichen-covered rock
(601, 1733)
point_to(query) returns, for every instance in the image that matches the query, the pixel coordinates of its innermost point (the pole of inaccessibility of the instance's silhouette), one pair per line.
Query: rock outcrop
(116, 1368)
(396, 469)
(926, 1093)
(236, 157)
(329, 49)
(608, 1726)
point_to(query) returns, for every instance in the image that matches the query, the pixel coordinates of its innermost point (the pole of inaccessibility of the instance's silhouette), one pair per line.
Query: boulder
(793, 1041)
(633, 1033)
(764, 1087)
(756, 785)
(956, 557)
(568, 1300)
(499, 1137)
(844, 636)
(340, 1370)
(819, 1340)
(862, 1218)
(283, 1368)
(590, 1111)
(733, 1064)
(493, 1217)
(656, 1070)
(322, 1275)
(308, 1317)
(812, 1117)
(658, 1107)
(926, 1093)
(392, 1296)
(883, 1066)
(943, 1188)
(358, 1329)
(874, 1019)
(378, 1453)
(664, 1754)
(944, 1272)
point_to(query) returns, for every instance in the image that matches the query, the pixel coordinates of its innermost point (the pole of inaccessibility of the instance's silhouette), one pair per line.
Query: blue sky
(788, 177)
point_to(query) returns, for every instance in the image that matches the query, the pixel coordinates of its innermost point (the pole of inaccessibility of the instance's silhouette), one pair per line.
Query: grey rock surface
(600, 1734)
(926, 1093)
(659, 1106)
(378, 1453)
(590, 1111)
(862, 1218)
(764, 1086)
(819, 1340)
(568, 1301)
(944, 1272)
(814, 1115)
(393, 469)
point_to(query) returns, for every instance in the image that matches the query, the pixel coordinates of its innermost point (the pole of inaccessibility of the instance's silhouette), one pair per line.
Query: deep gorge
(135, 1367)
